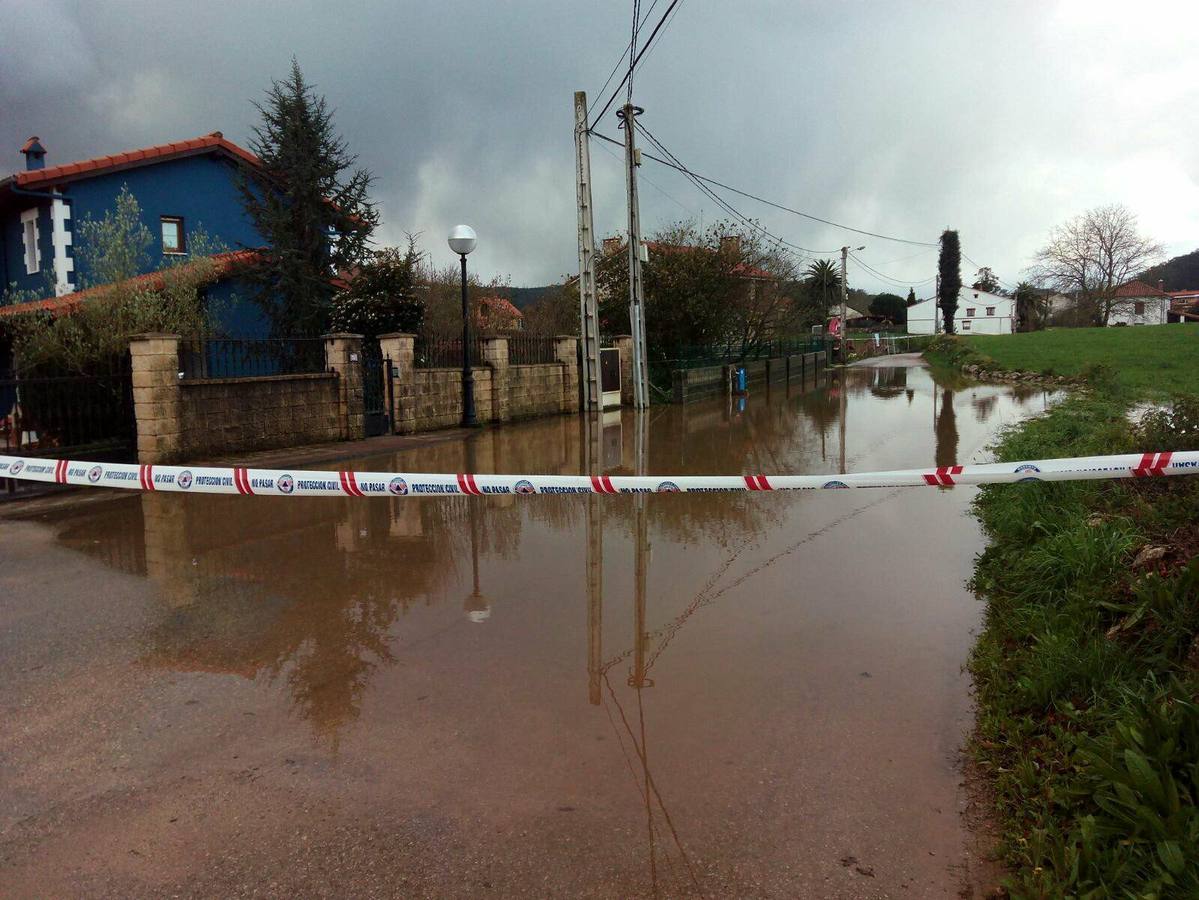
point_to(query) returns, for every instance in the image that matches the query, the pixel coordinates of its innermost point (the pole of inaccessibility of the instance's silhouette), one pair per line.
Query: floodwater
(717, 695)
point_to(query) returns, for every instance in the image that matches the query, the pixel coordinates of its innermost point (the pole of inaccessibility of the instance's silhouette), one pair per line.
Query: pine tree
(951, 277)
(911, 296)
(304, 199)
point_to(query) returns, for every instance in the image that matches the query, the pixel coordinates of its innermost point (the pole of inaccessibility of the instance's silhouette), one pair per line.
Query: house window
(965, 324)
(173, 240)
(29, 240)
(1139, 307)
(990, 310)
(969, 310)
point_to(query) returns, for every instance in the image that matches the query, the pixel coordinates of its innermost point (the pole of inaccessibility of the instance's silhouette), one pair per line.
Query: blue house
(180, 188)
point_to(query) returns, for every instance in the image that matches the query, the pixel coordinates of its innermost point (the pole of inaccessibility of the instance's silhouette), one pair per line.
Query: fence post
(343, 355)
(566, 351)
(156, 395)
(400, 348)
(495, 357)
(624, 343)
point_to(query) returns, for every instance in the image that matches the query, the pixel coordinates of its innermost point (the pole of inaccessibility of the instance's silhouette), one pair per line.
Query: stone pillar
(624, 343)
(495, 357)
(400, 348)
(566, 351)
(156, 396)
(343, 355)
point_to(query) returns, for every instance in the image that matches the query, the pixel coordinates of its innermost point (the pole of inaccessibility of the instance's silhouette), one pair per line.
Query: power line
(637, 58)
(748, 195)
(628, 52)
(885, 277)
(979, 268)
(739, 216)
(654, 185)
(633, 46)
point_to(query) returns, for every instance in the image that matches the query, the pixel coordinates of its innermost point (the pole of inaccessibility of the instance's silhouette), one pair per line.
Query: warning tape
(306, 483)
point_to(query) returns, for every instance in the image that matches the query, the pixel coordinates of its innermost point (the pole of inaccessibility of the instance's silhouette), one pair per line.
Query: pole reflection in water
(659, 824)
(477, 607)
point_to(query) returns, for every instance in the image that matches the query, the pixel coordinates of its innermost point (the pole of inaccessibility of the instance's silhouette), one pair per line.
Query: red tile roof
(225, 263)
(1138, 288)
(209, 143)
(501, 305)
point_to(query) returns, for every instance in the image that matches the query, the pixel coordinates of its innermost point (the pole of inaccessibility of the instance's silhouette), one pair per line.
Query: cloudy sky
(998, 119)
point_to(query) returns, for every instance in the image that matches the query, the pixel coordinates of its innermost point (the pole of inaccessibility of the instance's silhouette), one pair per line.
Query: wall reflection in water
(310, 594)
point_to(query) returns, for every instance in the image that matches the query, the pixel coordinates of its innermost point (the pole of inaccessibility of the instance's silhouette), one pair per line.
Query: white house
(1138, 303)
(979, 312)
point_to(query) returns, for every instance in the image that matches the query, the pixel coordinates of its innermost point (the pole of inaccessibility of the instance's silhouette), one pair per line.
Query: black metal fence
(434, 351)
(530, 349)
(251, 359)
(55, 413)
(736, 352)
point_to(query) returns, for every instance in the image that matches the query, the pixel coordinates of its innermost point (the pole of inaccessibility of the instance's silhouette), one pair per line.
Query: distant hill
(1180, 273)
(523, 297)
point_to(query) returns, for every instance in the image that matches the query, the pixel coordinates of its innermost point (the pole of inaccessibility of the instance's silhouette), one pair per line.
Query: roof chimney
(612, 245)
(35, 154)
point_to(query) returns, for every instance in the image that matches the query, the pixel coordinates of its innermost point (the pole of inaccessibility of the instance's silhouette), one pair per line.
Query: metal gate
(376, 389)
(55, 413)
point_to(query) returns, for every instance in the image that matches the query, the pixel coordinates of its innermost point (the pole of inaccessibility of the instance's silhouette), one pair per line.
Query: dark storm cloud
(997, 119)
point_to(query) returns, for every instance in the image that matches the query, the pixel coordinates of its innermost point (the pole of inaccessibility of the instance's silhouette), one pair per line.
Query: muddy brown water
(724, 695)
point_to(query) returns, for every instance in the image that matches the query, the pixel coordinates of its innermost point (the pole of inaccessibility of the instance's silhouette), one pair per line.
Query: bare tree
(1091, 255)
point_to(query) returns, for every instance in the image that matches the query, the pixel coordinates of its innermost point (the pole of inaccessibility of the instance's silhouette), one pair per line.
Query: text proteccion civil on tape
(305, 483)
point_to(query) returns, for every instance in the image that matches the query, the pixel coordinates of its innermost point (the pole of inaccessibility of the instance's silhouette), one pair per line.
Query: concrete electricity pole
(844, 303)
(636, 308)
(588, 311)
(936, 302)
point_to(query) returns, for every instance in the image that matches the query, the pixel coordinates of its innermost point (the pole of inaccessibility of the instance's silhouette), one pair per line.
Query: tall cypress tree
(309, 203)
(951, 277)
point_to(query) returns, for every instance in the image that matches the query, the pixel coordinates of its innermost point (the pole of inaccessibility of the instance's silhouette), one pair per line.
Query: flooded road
(750, 695)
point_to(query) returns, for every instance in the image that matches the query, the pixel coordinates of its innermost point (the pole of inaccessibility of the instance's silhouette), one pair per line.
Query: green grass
(1151, 362)
(1086, 672)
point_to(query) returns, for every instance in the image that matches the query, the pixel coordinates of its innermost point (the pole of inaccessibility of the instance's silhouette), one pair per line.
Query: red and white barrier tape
(304, 483)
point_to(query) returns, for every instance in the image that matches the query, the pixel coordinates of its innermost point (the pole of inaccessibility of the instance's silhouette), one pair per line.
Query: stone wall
(427, 399)
(181, 418)
(224, 415)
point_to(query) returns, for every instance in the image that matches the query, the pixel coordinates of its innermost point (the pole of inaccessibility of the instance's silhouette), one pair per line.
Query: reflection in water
(946, 429)
(310, 593)
(322, 601)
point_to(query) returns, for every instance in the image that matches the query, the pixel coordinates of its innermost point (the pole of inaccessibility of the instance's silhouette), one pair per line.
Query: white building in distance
(978, 312)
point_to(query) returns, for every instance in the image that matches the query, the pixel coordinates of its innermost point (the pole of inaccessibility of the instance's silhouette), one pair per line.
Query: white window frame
(180, 236)
(33, 261)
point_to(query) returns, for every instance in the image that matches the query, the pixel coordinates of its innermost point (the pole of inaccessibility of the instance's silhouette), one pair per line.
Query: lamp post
(462, 241)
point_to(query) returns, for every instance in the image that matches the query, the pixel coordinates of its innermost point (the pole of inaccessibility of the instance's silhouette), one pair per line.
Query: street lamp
(462, 241)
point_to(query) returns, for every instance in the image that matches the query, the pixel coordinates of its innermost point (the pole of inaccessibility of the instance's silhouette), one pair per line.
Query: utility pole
(588, 311)
(936, 303)
(844, 303)
(636, 308)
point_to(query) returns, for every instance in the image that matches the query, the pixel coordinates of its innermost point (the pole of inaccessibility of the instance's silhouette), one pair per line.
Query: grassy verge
(1146, 362)
(1087, 670)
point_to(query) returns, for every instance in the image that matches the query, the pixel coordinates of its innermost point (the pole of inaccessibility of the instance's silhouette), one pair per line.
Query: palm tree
(824, 281)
